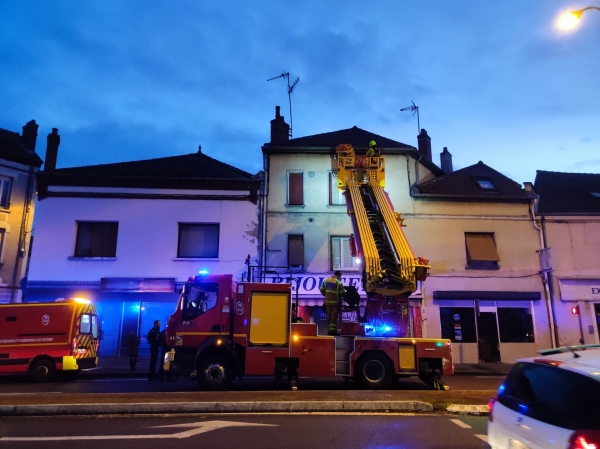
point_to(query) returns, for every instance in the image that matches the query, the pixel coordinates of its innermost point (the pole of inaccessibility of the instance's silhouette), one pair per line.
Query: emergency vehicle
(43, 338)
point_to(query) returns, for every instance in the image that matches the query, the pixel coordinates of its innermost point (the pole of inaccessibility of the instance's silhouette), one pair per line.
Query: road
(246, 431)
(17, 385)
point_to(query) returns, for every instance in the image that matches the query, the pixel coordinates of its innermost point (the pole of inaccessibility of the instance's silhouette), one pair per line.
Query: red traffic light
(575, 310)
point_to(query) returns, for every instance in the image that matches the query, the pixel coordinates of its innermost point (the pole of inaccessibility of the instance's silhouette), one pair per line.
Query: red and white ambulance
(43, 338)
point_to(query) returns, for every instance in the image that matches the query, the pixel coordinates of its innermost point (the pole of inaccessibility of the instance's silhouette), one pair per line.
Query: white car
(550, 401)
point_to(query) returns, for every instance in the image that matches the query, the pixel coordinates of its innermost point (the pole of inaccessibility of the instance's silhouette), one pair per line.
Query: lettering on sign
(595, 290)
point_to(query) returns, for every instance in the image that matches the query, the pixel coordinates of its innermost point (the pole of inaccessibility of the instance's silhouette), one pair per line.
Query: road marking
(197, 428)
(482, 437)
(459, 423)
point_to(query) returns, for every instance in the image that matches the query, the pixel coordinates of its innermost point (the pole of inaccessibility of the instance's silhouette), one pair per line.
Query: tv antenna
(415, 110)
(286, 75)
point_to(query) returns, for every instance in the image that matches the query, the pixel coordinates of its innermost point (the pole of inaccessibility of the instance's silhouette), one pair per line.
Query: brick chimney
(29, 136)
(446, 161)
(53, 141)
(424, 143)
(280, 130)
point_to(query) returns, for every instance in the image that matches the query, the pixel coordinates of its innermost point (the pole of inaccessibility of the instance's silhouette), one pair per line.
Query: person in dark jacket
(133, 346)
(162, 340)
(153, 341)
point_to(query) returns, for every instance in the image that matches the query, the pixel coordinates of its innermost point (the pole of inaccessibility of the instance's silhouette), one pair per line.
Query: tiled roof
(462, 185)
(567, 193)
(358, 138)
(12, 149)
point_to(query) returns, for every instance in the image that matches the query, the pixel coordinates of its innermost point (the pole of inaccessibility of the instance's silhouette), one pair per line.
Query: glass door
(488, 342)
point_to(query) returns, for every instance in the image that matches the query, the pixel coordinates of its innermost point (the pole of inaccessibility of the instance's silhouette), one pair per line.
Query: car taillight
(491, 407)
(584, 439)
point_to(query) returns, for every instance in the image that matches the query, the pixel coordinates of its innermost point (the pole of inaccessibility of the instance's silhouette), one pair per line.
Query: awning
(481, 247)
(487, 295)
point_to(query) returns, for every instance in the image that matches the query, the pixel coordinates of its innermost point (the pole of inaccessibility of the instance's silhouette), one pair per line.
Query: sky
(126, 80)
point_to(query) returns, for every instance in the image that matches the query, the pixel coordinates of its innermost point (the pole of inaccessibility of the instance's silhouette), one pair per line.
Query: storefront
(487, 326)
(580, 311)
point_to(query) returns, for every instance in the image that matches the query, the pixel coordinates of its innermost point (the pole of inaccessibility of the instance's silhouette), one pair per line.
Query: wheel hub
(374, 371)
(214, 374)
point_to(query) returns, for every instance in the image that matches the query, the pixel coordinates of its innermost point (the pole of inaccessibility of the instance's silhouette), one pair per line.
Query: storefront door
(597, 313)
(487, 336)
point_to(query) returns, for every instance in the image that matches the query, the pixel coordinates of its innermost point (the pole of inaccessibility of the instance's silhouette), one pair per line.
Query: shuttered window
(96, 239)
(481, 251)
(295, 189)
(296, 251)
(198, 240)
(341, 259)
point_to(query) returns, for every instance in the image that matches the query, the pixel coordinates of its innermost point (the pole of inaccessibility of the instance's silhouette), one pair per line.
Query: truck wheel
(42, 370)
(215, 372)
(374, 372)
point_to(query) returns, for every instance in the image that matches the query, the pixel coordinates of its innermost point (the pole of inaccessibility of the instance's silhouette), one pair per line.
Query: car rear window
(553, 395)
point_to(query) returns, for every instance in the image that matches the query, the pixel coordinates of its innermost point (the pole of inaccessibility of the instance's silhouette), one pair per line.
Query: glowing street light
(570, 20)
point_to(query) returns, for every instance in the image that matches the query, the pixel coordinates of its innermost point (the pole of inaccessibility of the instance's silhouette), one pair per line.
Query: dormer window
(485, 183)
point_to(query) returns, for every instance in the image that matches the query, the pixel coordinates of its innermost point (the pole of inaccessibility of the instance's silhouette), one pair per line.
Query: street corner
(478, 410)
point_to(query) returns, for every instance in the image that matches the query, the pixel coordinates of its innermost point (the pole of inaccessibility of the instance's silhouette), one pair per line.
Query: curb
(215, 407)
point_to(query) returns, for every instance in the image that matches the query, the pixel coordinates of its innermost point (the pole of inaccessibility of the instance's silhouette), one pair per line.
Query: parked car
(550, 401)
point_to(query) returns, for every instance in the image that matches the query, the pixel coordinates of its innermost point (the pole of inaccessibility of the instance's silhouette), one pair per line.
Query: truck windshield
(199, 299)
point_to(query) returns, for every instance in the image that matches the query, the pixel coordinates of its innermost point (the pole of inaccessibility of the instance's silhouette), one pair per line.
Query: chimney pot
(446, 161)
(424, 144)
(199, 149)
(52, 143)
(280, 130)
(29, 136)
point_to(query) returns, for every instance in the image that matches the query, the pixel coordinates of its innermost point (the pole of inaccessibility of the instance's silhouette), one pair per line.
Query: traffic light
(575, 310)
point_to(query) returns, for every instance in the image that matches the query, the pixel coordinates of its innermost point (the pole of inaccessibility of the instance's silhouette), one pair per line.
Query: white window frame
(353, 265)
(288, 185)
(5, 184)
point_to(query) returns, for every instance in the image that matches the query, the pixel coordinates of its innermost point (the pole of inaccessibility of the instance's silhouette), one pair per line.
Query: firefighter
(374, 150)
(164, 348)
(333, 290)
(153, 341)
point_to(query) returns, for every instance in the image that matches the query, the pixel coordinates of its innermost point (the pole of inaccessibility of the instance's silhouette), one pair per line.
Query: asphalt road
(246, 431)
(21, 385)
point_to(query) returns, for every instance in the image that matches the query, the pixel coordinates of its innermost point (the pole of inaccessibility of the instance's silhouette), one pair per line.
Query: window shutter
(336, 254)
(295, 189)
(481, 247)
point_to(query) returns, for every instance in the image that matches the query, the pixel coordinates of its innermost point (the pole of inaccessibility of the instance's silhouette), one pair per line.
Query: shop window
(198, 241)
(341, 259)
(5, 188)
(96, 239)
(516, 325)
(336, 196)
(295, 251)
(482, 253)
(295, 189)
(458, 324)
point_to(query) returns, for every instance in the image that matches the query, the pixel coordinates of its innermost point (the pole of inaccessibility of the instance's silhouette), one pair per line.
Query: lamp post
(569, 20)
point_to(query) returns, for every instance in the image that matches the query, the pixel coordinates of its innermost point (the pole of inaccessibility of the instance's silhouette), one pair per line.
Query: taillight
(584, 439)
(491, 407)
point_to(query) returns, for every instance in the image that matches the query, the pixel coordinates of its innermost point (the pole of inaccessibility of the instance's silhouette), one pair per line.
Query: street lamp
(569, 20)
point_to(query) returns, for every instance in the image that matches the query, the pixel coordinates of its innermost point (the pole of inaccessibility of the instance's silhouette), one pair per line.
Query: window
(85, 324)
(336, 196)
(485, 183)
(481, 251)
(295, 189)
(96, 239)
(198, 241)
(94, 326)
(341, 259)
(516, 325)
(198, 299)
(295, 251)
(5, 187)
(458, 324)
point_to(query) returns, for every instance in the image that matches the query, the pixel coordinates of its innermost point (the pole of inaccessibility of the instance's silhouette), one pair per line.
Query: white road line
(459, 423)
(482, 437)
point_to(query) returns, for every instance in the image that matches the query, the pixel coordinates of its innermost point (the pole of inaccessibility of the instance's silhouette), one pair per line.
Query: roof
(567, 193)
(12, 149)
(189, 171)
(463, 185)
(325, 143)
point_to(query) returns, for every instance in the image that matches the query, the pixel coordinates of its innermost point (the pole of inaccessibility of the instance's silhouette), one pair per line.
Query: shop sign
(579, 289)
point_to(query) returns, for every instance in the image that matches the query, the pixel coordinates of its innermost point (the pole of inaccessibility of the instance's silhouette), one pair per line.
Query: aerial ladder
(390, 270)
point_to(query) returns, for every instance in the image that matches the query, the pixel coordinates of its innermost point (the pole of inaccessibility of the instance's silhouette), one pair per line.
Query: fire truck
(223, 329)
(43, 338)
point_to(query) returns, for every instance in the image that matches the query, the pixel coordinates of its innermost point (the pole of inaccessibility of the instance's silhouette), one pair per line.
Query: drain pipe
(546, 277)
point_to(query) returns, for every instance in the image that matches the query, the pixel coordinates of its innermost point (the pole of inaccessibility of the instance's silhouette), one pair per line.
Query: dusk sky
(128, 80)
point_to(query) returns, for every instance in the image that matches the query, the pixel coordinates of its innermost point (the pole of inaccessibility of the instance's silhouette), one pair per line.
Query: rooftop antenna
(415, 110)
(286, 75)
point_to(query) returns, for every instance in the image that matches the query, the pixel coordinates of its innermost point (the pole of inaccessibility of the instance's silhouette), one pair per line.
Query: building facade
(568, 213)
(128, 235)
(19, 165)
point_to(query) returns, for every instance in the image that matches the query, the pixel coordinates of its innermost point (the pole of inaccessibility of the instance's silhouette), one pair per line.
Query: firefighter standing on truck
(333, 290)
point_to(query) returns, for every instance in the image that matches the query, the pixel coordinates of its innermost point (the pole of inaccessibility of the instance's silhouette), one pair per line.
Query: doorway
(488, 342)
(597, 313)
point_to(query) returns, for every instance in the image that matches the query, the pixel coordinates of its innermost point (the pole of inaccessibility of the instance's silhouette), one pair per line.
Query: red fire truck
(223, 330)
(43, 338)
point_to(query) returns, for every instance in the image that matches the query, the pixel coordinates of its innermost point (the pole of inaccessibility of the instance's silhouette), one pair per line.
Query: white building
(127, 235)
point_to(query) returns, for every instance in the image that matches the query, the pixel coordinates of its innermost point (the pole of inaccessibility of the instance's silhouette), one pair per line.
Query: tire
(374, 372)
(215, 372)
(42, 370)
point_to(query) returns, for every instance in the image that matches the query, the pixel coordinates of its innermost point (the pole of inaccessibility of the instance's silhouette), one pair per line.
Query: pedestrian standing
(133, 346)
(162, 340)
(153, 341)
(333, 290)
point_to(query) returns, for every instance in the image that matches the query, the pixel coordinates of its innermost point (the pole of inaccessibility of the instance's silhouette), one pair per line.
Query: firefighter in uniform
(333, 290)
(373, 150)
